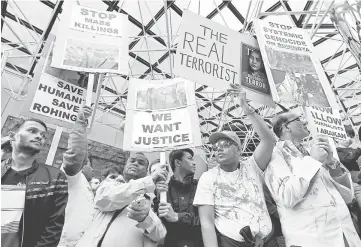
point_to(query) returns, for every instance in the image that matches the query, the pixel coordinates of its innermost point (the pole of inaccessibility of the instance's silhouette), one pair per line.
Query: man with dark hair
(179, 215)
(310, 187)
(36, 194)
(138, 226)
(112, 172)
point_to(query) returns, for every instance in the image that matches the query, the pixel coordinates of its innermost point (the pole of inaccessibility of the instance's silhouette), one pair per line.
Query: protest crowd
(299, 187)
(264, 200)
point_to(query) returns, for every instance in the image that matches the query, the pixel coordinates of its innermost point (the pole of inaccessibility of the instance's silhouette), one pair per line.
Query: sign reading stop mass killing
(207, 52)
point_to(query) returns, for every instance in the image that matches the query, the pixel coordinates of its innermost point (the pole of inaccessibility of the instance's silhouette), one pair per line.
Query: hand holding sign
(166, 210)
(237, 90)
(85, 112)
(160, 173)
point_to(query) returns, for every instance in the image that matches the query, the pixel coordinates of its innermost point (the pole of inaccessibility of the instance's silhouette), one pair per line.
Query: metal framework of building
(153, 42)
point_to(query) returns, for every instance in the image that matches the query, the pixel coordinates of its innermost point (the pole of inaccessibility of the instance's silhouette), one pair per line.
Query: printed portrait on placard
(253, 73)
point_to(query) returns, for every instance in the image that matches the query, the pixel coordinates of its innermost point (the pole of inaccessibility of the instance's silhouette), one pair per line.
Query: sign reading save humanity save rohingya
(161, 115)
(325, 121)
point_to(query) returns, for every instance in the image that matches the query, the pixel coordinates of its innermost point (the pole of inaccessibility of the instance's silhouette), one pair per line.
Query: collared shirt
(311, 203)
(238, 199)
(124, 232)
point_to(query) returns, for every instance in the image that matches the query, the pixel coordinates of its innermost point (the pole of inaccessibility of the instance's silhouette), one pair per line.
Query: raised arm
(73, 158)
(263, 152)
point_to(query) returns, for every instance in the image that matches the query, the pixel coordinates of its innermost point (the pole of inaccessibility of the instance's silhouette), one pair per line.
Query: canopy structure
(27, 25)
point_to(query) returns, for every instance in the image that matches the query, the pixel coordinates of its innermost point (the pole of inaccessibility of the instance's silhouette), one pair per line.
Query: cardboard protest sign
(161, 115)
(57, 99)
(326, 122)
(207, 52)
(91, 40)
(214, 55)
(294, 72)
(56, 95)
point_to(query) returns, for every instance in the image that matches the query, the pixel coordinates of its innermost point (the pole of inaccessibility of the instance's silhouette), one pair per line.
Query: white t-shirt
(79, 211)
(237, 198)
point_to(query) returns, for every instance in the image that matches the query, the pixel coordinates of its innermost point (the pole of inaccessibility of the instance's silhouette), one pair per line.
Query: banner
(161, 115)
(57, 99)
(56, 95)
(294, 72)
(326, 122)
(91, 40)
(214, 55)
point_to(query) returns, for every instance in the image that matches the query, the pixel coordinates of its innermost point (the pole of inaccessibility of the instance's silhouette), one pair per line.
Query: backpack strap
(115, 215)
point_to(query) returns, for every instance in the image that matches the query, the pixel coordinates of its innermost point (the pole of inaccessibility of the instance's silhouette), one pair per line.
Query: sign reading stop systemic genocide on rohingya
(325, 121)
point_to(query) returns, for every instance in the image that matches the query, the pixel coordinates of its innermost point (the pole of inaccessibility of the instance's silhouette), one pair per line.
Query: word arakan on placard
(331, 133)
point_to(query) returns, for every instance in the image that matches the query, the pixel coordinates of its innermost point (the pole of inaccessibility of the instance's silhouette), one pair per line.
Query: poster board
(55, 95)
(292, 66)
(161, 115)
(214, 55)
(326, 122)
(91, 40)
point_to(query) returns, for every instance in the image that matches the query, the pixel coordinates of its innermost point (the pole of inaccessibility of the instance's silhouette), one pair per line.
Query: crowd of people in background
(284, 194)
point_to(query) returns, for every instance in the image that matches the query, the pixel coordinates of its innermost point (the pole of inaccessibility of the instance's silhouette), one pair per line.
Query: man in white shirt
(117, 222)
(230, 196)
(311, 188)
(76, 166)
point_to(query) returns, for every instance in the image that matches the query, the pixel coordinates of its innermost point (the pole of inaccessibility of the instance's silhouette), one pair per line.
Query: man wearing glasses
(310, 188)
(230, 196)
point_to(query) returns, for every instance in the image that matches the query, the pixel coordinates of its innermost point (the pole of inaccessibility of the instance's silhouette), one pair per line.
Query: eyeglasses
(299, 118)
(222, 145)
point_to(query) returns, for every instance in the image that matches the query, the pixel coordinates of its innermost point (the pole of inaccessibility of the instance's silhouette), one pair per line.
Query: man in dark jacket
(179, 215)
(36, 195)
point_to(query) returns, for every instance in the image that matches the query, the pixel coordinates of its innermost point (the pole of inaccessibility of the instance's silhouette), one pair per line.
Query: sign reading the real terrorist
(325, 121)
(207, 52)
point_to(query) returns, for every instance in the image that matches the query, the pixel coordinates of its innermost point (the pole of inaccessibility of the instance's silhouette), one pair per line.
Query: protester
(39, 222)
(230, 196)
(179, 215)
(138, 226)
(348, 155)
(76, 166)
(111, 172)
(310, 188)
